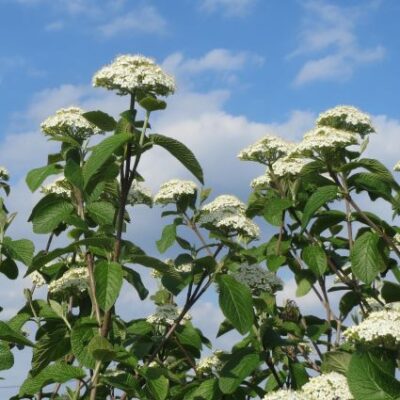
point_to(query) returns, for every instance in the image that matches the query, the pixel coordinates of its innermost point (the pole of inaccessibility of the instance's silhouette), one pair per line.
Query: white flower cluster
(187, 267)
(380, 328)
(130, 73)
(397, 167)
(227, 212)
(4, 175)
(172, 190)
(210, 363)
(166, 314)
(396, 239)
(139, 194)
(348, 118)
(59, 186)
(330, 386)
(261, 182)
(324, 138)
(258, 279)
(284, 394)
(267, 149)
(75, 279)
(69, 122)
(37, 279)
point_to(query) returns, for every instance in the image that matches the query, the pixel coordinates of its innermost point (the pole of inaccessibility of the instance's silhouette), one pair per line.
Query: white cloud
(329, 36)
(228, 8)
(146, 19)
(54, 26)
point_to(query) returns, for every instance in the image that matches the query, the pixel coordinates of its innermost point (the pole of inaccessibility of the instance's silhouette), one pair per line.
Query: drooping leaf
(150, 103)
(108, 278)
(102, 152)
(236, 303)
(21, 250)
(135, 280)
(167, 239)
(101, 119)
(180, 152)
(320, 197)
(36, 176)
(49, 213)
(10, 335)
(239, 366)
(366, 257)
(315, 257)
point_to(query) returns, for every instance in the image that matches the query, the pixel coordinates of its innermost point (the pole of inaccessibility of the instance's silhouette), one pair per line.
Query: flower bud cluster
(257, 279)
(210, 363)
(166, 314)
(75, 280)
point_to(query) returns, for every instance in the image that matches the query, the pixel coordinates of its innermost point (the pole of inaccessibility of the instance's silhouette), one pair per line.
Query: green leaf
(189, 336)
(59, 372)
(21, 250)
(208, 390)
(171, 279)
(274, 208)
(50, 347)
(390, 292)
(81, 335)
(135, 280)
(9, 268)
(181, 153)
(102, 152)
(6, 357)
(336, 361)
(101, 349)
(102, 120)
(304, 280)
(157, 383)
(10, 335)
(372, 183)
(49, 213)
(315, 257)
(150, 103)
(320, 197)
(108, 278)
(367, 380)
(167, 239)
(73, 173)
(102, 212)
(298, 374)
(36, 176)
(239, 366)
(236, 303)
(366, 257)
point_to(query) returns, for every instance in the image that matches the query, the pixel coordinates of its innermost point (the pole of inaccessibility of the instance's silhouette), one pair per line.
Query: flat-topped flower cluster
(166, 314)
(330, 386)
(336, 128)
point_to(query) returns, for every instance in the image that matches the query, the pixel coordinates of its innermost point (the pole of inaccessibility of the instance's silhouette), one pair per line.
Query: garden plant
(309, 216)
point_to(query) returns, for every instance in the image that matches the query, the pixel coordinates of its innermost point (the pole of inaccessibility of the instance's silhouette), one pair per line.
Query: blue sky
(244, 68)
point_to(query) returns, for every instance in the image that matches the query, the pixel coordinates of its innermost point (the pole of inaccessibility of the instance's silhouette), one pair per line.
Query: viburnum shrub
(322, 235)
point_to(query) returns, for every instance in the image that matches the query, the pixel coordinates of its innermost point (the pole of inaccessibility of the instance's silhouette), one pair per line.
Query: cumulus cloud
(329, 37)
(228, 8)
(145, 19)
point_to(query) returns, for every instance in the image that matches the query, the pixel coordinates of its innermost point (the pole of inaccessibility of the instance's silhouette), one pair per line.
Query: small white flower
(397, 167)
(139, 194)
(4, 175)
(131, 73)
(289, 166)
(224, 203)
(324, 138)
(268, 148)
(75, 279)
(380, 328)
(69, 122)
(330, 386)
(173, 190)
(37, 279)
(210, 363)
(258, 279)
(261, 182)
(284, 394)
(59, 186)
(166, 315)
(348, 118)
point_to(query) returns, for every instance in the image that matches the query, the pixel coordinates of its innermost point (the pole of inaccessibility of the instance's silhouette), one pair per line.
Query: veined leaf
(36, 176)
(101, 119)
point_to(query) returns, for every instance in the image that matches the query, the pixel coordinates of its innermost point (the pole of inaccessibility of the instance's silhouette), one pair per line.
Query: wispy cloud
(329, 37)
(145, 19)
(17, 64)
(54, 26)
(228, 8)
